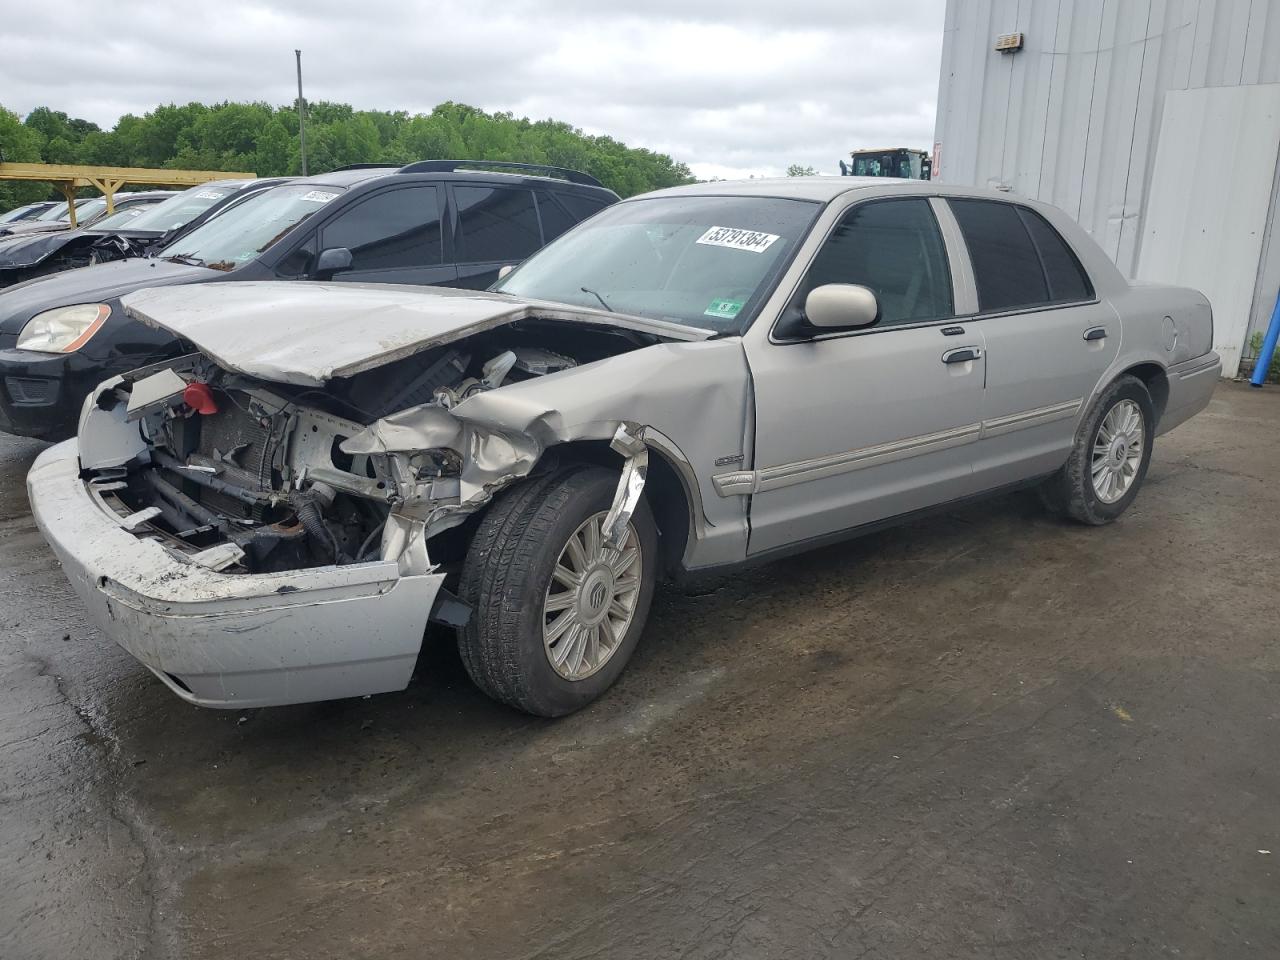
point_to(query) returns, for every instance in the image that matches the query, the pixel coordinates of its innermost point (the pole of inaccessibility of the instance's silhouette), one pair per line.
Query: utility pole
(302, 115)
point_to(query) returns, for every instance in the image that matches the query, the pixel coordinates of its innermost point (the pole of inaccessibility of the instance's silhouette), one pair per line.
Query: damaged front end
(239, 475)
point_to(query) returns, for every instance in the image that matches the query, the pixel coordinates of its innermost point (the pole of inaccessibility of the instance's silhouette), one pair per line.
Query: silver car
(689, 381)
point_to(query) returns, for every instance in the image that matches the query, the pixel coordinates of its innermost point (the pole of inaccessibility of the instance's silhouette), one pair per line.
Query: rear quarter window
(1018, 259)
(1065, 277)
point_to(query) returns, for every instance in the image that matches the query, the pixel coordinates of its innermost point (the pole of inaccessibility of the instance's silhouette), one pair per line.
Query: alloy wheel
(591, 599)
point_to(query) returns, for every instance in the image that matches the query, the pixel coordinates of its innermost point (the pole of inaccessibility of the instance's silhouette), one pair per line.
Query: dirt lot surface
(990, 734)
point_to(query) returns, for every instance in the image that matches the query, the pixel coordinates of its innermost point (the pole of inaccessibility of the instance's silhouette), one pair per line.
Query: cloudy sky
(731, 87)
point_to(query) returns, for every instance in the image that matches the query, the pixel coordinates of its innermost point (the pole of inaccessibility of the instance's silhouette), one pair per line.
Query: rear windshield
(248, 229)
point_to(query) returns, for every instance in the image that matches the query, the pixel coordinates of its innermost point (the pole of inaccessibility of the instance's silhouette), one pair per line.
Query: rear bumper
(1191, 385)
(228, 640)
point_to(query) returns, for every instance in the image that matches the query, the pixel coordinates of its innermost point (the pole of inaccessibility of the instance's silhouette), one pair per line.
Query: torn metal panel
(309, 333)
(695, 396)
(628, 441)
(687, 396)
(112, 440)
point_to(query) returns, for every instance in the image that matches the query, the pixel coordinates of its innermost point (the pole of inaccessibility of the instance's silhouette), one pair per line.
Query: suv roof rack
(361, 166)
(449, 166)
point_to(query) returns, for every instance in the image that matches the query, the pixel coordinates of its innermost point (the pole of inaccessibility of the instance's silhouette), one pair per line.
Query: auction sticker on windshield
(736, 239)
(318, 196)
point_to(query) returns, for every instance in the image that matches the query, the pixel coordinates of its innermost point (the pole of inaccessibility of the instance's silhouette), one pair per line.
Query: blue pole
(1263, 363)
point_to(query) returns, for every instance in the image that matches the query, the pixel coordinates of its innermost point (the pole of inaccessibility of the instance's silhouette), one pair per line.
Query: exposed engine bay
(249, 476)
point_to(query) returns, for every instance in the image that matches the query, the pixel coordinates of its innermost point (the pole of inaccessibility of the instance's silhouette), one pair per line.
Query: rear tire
(1109, 458)
(518, 577)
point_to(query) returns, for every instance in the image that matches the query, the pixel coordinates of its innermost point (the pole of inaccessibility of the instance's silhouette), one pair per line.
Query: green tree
(264, 139)
(795, 170)
(19, 144)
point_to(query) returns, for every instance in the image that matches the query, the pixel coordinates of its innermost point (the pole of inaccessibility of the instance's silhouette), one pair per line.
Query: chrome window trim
(964, 286)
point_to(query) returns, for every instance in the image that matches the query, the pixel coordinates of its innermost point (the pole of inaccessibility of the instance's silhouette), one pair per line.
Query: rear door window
(392, 229)
(496, 223)
(1018, 260)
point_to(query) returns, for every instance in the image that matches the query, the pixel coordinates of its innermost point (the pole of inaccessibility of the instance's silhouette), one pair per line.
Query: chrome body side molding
(745, 482)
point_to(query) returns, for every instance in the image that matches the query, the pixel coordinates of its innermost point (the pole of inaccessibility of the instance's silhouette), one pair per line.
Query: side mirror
(841, 306)
(331, 261)
(504, 270)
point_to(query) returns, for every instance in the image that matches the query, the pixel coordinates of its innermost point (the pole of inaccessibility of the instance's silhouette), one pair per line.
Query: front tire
(1110, 456)
(556, 613)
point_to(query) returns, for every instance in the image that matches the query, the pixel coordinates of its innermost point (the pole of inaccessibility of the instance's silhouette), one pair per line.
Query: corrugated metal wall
(1074, 117)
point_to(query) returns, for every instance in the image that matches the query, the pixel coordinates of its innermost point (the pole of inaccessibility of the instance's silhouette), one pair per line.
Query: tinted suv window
(496, 223)
(582, 207)
(555, 218)
(893, 247)
(395, 228)
(1018, 259)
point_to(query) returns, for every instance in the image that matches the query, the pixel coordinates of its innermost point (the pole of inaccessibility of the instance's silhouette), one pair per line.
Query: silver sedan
(689, 381)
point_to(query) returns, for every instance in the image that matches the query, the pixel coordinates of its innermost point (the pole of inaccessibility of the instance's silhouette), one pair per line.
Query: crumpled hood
(26, 249)
(307, 333)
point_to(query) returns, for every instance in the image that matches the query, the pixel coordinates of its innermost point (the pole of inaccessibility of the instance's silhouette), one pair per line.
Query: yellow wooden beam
(83, 176)
(68, 189)
(108, 186)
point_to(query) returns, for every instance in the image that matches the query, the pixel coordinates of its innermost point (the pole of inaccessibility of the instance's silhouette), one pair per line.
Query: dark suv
(433, 222)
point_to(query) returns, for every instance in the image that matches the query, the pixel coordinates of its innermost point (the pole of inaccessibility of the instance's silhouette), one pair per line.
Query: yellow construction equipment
(67, 177)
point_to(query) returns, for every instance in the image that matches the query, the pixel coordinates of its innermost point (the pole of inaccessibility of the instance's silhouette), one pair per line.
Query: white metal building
(1156, 123)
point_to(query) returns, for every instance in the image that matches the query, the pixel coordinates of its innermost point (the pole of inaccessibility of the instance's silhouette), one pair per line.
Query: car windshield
(249, 228)
(90, 210)
(15, 214)
(59, 212)
(180, 209)
(123, 219)
(704, 262)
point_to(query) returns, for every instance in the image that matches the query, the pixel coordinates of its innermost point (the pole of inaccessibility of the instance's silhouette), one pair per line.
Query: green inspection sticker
(724, 309)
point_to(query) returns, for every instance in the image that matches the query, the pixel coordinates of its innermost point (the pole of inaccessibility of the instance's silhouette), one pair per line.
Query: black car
(129, 232)
(433, 222)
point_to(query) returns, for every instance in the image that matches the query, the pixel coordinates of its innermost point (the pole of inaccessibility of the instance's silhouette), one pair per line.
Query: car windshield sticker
(723, 309)
(209, 195)
(318, 196)
(736, 239)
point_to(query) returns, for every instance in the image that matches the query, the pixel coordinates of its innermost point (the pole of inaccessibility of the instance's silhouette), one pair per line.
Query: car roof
(143, 195)
(352, 176)
(825, 189)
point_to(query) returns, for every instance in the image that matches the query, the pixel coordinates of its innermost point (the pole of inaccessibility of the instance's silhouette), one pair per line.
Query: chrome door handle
(962, 355)
(1096, 333)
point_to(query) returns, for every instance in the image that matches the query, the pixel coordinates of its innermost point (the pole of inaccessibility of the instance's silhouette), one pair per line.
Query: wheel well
(663, 490)
(1157, 382)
